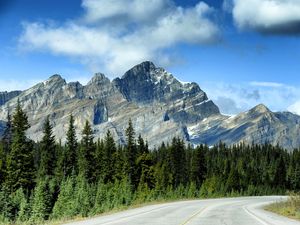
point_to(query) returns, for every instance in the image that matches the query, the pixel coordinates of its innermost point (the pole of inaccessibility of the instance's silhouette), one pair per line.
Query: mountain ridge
(160, 106)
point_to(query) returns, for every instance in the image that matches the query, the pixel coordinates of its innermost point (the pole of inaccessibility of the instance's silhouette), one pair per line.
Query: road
(225, 211)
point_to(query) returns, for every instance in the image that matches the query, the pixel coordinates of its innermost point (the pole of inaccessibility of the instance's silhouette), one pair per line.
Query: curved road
(229, 211)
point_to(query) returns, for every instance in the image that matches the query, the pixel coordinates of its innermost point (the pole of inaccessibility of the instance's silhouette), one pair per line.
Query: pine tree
(98, 165)
(82, 195)
(41, 202)
(7, 206)
(22, 205)
(145, 170)
(131, 155)
(178, 162)
(65, 206)
(87, 153)
(7, 135)
(47, 151)
(109, 151)
(70, 156)
(142, 147)
(2, 164)
(198, 166)
(59, 170)
(20, 163)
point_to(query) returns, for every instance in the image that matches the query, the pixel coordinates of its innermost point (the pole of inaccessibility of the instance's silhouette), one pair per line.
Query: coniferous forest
(53, 181)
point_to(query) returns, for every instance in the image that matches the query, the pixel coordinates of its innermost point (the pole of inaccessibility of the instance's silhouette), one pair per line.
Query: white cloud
(266, 84)
(243, 96)
(103, 43)
(268, 16)
(128, 10)
(295, 108)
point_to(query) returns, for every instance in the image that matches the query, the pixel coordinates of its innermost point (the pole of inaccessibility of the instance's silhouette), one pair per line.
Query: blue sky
(241, 52)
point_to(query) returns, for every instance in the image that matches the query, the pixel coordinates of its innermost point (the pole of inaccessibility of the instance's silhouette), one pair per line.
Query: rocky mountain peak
(146, 83)
(55, 80)
(98, 78)
(143, 68)
(55, 77)
(261, 108)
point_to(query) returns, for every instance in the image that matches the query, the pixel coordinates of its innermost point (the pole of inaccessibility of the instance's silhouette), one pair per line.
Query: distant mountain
(258, 125)
(160, 106)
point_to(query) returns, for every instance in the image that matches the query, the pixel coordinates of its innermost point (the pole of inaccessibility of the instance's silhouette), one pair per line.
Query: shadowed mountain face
(160, 107)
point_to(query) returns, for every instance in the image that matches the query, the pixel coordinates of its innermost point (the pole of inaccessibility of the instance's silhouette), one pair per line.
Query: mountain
(6, 96)
(160, 107)
(258, 125)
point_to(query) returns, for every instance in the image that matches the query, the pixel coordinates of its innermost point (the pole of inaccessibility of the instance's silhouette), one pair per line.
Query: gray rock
(258, 125)
(6, 96)
(160, 107)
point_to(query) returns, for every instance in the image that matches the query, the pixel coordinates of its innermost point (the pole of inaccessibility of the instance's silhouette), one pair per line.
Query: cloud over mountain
(115, 37)
(280, 17)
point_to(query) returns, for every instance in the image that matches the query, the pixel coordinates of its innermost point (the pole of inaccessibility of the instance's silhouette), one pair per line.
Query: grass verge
(289, 208)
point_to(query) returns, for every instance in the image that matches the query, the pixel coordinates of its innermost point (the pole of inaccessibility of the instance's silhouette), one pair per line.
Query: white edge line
(254, 216)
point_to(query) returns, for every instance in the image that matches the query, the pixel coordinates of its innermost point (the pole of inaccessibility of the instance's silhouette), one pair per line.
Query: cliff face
(6, 96)
(160, 107)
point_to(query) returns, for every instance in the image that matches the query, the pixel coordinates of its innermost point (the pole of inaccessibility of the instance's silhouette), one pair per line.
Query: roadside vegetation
(49, 181)
(289, 208)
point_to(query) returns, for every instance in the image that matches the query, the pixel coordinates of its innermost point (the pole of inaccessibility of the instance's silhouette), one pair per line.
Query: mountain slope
(258, 125)
(160, 106)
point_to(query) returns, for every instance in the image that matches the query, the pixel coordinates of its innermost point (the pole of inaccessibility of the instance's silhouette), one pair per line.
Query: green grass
(289, 208)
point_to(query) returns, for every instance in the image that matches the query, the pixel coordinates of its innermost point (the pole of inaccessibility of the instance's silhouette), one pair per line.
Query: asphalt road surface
(229, 211)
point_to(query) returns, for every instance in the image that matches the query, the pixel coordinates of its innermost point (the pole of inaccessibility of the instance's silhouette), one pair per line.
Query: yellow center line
(193, 216)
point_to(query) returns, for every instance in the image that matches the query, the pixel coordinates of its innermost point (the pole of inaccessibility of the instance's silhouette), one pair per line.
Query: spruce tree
(87, 153)
(59, 170)
(178, 162)
(41, 203)
(109, 152)
(2, 164)
(131, 155)
(142, 147)
(20, 163)
(98, 165)
(70, 156)
(47, 151)
(7, 135)
(198, 166)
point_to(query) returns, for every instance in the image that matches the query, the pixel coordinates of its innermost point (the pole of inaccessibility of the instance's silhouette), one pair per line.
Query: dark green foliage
(2, 163)
(130, 155)
(59, 170)
(20, 161)
(86, 153)
(198, 165)
(8, 212)
(108, 158)
(47, 151)
(7, 135)
(70, 154)
(177, 162)
(89, 178)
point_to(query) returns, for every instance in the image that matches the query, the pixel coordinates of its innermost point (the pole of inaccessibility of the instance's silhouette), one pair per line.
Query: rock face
(258, 125)
(6, 96)
(160, 107)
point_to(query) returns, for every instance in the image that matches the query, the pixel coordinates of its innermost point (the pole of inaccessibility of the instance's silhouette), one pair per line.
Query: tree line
(51, 181)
